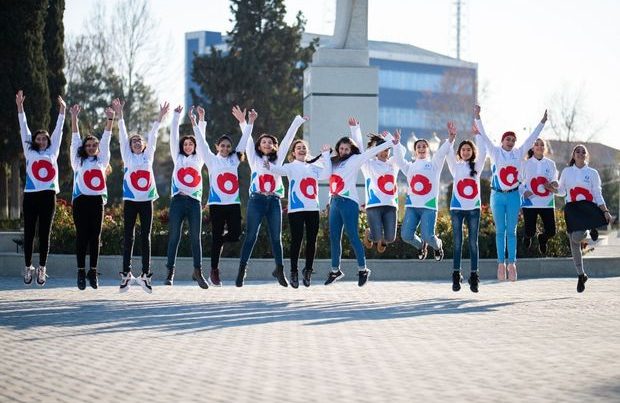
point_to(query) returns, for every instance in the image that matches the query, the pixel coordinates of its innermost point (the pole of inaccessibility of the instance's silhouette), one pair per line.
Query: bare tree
(569, 118)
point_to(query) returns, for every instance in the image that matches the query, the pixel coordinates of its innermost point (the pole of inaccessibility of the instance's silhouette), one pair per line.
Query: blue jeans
(344, 213)
(472, 220)
(424, 217)
(382, 223)
(182, 207)
(505, 208)
(260, 206)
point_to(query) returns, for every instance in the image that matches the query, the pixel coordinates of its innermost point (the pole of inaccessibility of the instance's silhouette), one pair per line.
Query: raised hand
(163, 110)
(117, 107)
(451, 131)
(253, 115)
(75, 110)
(544, 118)
(477, 112)
(396, 136)
(326, 147)
(353, 121)
(306, 118)
(109, 112)
(201, 112)
(62, 106)
(19, 100)
(474, 129)
(238, 113)
(178, 109)
(192, 116)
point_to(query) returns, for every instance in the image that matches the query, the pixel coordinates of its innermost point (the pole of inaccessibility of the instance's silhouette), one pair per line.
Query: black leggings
(223, 217)
(297, 222)
(41, 207)
(529, 222)
(88, 219)
(131, 211)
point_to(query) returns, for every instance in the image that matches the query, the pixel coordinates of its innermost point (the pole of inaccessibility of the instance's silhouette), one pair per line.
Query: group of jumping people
(517, 184)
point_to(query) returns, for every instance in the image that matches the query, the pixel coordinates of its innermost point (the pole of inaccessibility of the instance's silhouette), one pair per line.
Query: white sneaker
(145, 282)
(28, 273)
(126, 280)
(41, 275)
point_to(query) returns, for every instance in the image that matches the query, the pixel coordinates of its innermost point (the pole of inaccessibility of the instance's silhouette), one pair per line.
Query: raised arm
(479, 130)
(202, 147)
(23, 123)
(117, 106)
(250, 152)
(56, 139)
(440, 155)
(76, 140)
(326, 170)
(372, 151)
(399, 156)
(356, 133)
(246, 130)
(151, 139)
(104, 143)
(285, 144)
(451, 156)
(531, 139)
(482, 155)
(174, 132)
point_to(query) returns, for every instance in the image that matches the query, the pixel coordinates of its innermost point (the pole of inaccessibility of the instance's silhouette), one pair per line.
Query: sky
(526, 50)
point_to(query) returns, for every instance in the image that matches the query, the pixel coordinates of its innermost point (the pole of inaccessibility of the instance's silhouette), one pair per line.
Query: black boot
(307, 274)
(456, 281)
(243, 271)
(92, 275)
(474, 280)
(279, 274)
(581, 282)
(81, 279)
(198, 277)
(294, 278)
(169, 277)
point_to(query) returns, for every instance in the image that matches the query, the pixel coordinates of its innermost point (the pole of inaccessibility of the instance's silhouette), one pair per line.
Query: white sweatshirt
(423, 177)
(41, 166)
(89, 176)
(186, 175)
(138, 178)
(223, 171)
(465, 188)
(262, 179)
(534, 174)
(581, 184)
(505, 165)
(303, 191)
(379, 176)
(343, 179)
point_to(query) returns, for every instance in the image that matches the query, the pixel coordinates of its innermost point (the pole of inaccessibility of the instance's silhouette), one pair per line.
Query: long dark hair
(182, 140)
(354, 149)
(374, 140)
(273, 155)
(291, 157)
(226, 137)
(572, 158)
(81, 151)
(33, 144)
(530, 152)
(471, 161)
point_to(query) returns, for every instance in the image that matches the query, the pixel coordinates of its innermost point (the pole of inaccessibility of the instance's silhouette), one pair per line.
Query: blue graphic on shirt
(29, 183)
(296, 203)
(213, 197)
(126, 191)
(455, 202)
(372, 197)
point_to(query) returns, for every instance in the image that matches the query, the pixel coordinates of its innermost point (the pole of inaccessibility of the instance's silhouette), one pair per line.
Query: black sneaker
(170, 277)
(456, 281)
(278, 273)
(594, 234)
(542, 245)
(81, 279)
(333, 276)
(126, 280)
(423, 251)
(581, 282)
(362, 277)
(527, 242)
(241, 274)
(294, 278)
(92, 278)
(438, 254)
(145, 281)
(198, 277)
(474, 280)
(307, 276)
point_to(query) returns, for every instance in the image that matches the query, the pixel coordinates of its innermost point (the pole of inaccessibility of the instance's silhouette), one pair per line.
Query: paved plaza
(533, 340)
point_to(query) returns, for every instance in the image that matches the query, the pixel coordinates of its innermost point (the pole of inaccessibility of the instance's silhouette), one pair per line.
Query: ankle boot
(169, 277)
(243, 271)
(279, 274)
(198, 277)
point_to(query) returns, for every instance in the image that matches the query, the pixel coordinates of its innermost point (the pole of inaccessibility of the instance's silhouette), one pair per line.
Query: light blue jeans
(269, 207)
(505, 208)
(382, 223)
(344, 213)
(425, 218)
(472, 220)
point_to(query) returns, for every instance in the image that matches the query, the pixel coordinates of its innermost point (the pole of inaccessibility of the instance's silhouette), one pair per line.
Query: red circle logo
(309, 188)
(228, 183)
(467, 188)
(387, 184)
(188, 177)
(43, 170)
(538, 186)
(140, 180)
(509, 175)
(420, 185)
(336, 184)
(94, 180)
(578, 193)
(267, 183)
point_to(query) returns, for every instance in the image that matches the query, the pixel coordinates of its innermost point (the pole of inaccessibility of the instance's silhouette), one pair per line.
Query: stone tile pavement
(533, 340)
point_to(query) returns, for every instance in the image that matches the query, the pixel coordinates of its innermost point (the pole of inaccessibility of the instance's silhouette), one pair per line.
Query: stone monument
(340, 83)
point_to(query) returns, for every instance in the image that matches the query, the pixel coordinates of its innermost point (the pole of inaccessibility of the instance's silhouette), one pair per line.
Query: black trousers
(88, 219)
(131, 211)
(297, 222)
(41, 207)
(225, 226)
(547, 215)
